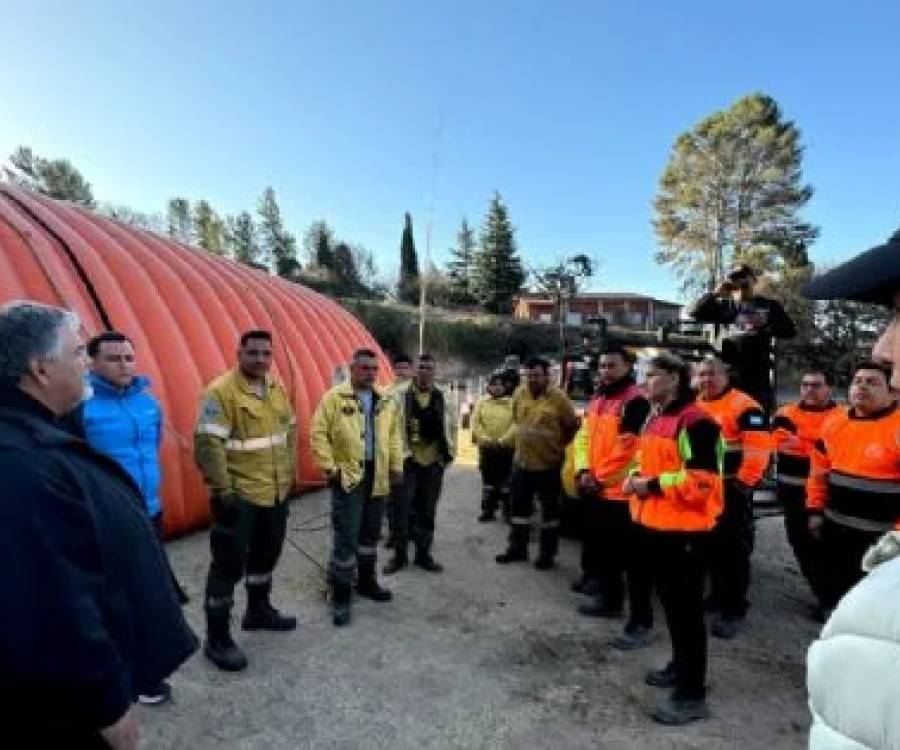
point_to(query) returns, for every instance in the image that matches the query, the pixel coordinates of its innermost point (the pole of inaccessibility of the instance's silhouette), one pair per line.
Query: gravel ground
(477, 657)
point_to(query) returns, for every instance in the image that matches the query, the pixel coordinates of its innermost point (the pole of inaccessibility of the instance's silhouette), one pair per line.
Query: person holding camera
(752, 323)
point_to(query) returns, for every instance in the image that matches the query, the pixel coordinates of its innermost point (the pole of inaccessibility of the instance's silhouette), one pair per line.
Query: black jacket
(749, 344)
(89, 617)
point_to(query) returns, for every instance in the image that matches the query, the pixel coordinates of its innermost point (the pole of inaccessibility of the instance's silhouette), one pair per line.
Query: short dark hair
(826, 374)
(364, 354)
(672, 364)
(256, 333)
(93, 346)
(401, 358)
(742, 271)
(538, 362)
(873, 364)
(496, 377)
(618, 349)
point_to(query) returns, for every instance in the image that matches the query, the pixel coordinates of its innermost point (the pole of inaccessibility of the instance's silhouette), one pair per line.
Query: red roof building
(624, 309)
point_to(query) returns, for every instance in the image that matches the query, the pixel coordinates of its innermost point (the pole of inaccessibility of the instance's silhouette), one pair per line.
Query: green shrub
(478, 342)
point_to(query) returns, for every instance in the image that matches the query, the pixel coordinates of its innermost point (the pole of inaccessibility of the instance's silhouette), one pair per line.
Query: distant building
(619, 308)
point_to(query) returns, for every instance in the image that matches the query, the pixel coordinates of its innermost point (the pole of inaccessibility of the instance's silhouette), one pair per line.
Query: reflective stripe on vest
(860, 524)
(256, 444)
(878, 486)
(216, 430)
(787, 479)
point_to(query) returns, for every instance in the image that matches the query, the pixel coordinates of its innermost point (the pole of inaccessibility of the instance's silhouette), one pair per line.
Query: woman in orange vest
(676, 495)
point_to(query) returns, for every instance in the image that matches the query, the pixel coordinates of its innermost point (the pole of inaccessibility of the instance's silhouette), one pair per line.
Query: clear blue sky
(358, 111)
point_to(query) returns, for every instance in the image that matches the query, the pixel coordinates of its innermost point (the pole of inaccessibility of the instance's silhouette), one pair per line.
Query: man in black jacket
(751, 323)
(90, 617)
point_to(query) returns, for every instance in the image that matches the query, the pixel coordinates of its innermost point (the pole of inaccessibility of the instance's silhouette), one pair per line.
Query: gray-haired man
(104, 624)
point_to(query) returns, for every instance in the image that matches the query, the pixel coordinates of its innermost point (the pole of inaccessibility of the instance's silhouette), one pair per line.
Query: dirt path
(478, 657)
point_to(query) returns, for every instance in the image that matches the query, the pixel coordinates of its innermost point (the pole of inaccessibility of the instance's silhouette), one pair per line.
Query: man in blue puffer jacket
(123, 420)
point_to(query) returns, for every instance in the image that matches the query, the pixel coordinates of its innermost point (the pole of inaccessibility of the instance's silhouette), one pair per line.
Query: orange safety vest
(748, 444)
(795, 430)
(855, 474)
(683, 498)
(601, 448)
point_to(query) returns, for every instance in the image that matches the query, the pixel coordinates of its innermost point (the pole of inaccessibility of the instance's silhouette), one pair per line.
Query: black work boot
(260, 614)
(662, 678)
(425, 561)
(488, 506)
(219, 648)
(517, 551)
(548, 545)
(677, 711)
(340, 594)
(600, 608)
(367, 585)
(399, 561)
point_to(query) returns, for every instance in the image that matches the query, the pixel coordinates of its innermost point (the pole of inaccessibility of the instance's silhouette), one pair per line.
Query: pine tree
(318, 245)
(55, 178)
(345, 269)
(461, 267)
(178, 216)
(208, 228)
(278, 243)
(731, 191)
(241, 239)
(408, 288)
(498, 273)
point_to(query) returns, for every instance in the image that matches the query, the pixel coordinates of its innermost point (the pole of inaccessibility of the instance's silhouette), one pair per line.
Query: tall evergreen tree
(318, 245)
(408, 288)
(178, 216)
(278, 243)
(498, 273)
(242, 240)
(732, 191)
(462, 265)
(208, 228)
(55, 178)
(345, 269)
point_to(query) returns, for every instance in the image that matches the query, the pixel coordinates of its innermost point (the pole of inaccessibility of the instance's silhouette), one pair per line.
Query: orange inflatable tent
(185, 310)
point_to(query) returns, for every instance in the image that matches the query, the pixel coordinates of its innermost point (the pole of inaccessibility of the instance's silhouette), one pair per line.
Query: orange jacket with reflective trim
(795, 430)
(607, 441)
(745, 428)
(855, 475)
(681, 452)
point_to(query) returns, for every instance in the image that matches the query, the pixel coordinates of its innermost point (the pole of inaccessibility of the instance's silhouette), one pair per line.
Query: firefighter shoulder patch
(211, 410)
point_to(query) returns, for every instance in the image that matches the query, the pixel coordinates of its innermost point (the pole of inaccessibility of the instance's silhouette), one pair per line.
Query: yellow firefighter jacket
(338, 439)
(491, 419)
(541, 429)
(246, 439)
